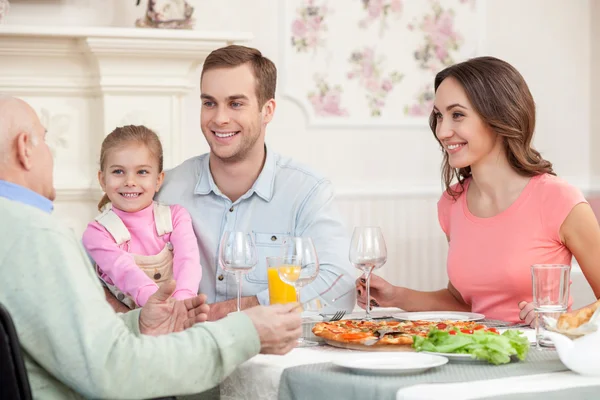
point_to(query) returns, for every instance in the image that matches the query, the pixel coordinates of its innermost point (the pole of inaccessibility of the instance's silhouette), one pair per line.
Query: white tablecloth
(258, 378)
(495, 387)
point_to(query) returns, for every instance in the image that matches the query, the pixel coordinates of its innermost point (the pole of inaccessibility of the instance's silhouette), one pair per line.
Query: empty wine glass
(237, 255)
(300, 266)
(367, 253)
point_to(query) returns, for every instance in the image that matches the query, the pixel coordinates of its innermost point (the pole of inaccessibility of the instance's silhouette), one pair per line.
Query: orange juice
(279, 291)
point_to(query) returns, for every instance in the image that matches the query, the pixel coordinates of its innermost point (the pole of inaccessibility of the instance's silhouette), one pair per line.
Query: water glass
(551, 284)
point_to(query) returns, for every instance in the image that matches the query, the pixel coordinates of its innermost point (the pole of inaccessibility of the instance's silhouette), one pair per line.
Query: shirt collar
(263, 186)
(21, 194)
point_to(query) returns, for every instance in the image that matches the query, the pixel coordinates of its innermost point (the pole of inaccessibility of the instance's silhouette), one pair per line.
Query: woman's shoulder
(458, 189)
(550, 187)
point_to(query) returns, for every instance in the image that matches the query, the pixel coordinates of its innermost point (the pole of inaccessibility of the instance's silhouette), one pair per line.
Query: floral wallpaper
(373, 61)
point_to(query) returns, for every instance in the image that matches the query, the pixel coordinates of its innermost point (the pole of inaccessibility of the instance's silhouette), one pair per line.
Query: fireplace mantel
(85, 81)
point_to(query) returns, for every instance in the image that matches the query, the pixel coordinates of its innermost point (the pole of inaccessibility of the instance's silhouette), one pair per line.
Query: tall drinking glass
(302, 267)
(550, 296)
(305, 267)
(367, 253)
(279, 291)
(237, 255)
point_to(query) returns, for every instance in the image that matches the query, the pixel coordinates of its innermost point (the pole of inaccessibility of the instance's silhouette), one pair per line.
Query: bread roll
(574, 319)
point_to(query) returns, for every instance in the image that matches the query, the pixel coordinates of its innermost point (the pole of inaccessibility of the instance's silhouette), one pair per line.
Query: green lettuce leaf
(494, 348)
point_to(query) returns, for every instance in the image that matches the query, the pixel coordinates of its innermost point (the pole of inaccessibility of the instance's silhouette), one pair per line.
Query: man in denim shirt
(242, 185)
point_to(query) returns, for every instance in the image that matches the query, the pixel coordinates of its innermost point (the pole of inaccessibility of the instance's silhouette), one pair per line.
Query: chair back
(14, 383)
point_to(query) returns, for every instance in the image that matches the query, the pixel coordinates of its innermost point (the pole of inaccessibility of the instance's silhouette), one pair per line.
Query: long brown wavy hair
(501, 98)
(126, 135)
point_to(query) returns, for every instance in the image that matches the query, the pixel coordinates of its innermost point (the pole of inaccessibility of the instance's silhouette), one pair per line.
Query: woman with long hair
(504, 209)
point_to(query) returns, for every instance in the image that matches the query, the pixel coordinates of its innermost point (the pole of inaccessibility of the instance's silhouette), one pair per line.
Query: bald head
(16, 116)
(25, 157)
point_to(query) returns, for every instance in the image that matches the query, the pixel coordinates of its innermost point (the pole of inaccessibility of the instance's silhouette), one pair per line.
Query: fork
(336, 316)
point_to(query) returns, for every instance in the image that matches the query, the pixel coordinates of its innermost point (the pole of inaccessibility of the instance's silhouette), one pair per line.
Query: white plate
(454, 357)
(391, 363)
(439, 316)
(462, 358)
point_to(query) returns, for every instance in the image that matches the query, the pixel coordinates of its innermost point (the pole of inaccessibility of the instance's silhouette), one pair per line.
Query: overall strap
(162, 219)
(113, 224)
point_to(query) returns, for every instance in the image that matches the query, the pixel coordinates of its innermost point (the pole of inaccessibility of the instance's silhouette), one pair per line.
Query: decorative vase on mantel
(167, 14)
(4, 7)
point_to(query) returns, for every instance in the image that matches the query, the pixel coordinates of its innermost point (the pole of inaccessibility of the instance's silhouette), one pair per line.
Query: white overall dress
(158, 267)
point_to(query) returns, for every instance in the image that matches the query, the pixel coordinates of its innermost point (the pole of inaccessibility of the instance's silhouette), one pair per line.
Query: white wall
(390, 176)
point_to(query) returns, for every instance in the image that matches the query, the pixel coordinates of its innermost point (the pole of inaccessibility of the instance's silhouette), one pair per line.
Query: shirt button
(231, 209)
(220, 277)
(273, 238)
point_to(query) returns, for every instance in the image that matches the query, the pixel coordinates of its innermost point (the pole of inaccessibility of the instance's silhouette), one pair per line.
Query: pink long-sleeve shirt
(117, 264)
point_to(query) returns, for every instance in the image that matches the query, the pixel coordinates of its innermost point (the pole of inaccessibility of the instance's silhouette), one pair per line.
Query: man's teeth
(455, 146)
(130, 195)
(225, 134)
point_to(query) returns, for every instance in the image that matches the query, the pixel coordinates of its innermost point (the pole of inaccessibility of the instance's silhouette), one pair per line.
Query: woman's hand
(527, 313)
(382, 292)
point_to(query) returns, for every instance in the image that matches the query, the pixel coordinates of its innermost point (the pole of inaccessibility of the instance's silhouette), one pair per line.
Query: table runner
(325, 380)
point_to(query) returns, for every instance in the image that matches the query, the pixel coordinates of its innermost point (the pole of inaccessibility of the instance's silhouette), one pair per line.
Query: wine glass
(237, 255)
(367, 253)
(300, 267)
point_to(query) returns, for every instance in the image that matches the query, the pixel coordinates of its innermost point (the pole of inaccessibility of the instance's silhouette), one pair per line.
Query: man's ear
(159, 182)
(101, 181)
(24, 147)
(268, 110)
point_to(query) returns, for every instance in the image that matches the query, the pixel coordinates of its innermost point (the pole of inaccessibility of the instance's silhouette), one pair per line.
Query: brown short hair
(501, 97)
(264, 70)
(126, 135)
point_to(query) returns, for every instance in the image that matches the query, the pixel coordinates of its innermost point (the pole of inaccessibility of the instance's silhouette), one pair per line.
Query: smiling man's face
(231, 119)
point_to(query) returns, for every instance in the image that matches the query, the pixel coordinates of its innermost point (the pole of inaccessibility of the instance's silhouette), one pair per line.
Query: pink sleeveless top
(489, 259)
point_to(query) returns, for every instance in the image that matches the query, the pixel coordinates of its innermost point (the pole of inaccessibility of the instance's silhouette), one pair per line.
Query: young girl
(508, 210)
(137, 243)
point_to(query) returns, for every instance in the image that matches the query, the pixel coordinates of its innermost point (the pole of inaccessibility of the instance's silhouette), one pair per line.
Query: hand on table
(527, 313)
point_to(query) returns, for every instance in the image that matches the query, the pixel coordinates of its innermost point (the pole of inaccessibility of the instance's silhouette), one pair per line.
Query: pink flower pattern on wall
(417, 37)
(367, 70)
(423, 104)
(380, 10)
(308, 28)
(326, 99)
(440, 40)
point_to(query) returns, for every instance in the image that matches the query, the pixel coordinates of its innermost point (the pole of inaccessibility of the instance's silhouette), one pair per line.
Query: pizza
(398, 333)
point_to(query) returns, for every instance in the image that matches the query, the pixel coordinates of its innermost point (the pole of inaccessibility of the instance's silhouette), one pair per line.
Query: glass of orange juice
(279, 291)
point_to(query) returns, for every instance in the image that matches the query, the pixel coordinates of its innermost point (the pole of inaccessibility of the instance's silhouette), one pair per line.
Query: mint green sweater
(76, 346)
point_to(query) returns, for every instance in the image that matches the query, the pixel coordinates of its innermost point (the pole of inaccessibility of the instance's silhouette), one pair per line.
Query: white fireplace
(85, 81)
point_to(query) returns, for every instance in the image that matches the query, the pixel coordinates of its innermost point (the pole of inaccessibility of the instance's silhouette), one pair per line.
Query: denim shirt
(287, 198)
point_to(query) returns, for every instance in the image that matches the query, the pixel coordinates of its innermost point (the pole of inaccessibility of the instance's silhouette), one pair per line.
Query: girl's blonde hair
(126, 135)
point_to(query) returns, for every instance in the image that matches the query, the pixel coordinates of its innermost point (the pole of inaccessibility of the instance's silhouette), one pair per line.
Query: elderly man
(74, 344)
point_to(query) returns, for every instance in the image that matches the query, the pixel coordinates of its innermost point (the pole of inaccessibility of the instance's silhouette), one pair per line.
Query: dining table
(314, 373)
